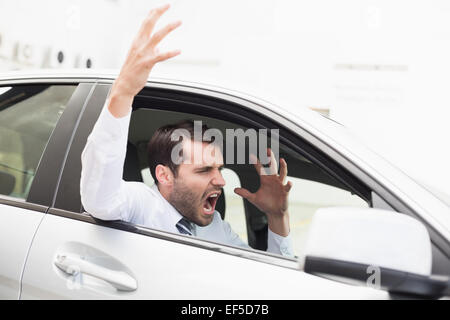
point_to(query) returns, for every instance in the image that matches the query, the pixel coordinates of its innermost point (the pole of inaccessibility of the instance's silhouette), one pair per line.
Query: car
(50, 248)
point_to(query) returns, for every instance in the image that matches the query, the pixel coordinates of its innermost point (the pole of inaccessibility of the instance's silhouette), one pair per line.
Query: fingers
(244, 193)
(161, 34)
(150, 21)
(283, 170)
(272, 169)
(167, 55)
(256, 163)
(288, 186)
(273, 166)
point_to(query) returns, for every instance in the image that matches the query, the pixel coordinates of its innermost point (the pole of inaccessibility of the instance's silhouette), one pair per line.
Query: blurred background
(381, 68)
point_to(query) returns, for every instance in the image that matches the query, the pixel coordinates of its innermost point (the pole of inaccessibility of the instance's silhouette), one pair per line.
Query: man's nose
(218, 180)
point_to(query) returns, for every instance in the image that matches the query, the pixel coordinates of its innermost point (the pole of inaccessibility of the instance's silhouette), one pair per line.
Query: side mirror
(378, 248)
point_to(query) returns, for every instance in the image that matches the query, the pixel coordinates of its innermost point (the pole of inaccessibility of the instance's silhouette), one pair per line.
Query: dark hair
(160, 146)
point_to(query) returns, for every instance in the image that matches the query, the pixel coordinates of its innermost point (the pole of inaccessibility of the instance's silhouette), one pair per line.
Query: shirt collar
(173, 216)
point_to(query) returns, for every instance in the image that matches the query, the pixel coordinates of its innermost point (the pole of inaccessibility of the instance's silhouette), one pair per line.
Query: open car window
(313, 188)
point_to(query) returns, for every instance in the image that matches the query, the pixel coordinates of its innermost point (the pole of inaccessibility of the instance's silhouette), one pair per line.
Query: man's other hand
(272, 195)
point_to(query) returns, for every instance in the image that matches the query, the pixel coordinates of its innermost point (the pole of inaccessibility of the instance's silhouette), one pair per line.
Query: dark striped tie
(184, 226)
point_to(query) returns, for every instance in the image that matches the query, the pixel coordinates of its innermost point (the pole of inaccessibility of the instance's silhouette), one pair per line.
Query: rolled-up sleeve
(279, 244)
(275, 243)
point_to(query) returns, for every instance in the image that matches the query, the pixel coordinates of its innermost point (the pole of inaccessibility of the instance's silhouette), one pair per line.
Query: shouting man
(184, 195)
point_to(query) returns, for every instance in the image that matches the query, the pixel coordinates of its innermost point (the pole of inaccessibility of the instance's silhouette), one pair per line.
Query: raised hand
(141, 58)
(272, 195)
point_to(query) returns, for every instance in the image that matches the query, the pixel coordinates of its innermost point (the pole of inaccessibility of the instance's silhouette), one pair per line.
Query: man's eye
(206, 170)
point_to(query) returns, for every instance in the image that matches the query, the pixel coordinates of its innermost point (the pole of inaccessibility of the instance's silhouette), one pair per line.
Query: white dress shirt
(106, 196)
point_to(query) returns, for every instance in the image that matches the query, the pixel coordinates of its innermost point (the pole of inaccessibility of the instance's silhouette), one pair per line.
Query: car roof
(295, 111)
(59, 73)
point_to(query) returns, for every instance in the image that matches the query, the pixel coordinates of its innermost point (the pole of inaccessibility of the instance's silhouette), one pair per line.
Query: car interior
(144, 122)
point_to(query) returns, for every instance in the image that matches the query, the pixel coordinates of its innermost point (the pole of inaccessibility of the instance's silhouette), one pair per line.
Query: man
(184, 196)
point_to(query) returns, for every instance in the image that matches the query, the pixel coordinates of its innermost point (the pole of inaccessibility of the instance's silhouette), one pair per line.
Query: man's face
(199, 182)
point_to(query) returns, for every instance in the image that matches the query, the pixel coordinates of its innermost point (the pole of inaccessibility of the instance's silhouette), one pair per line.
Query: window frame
(44, 184)
(236, 107)
(155, 99)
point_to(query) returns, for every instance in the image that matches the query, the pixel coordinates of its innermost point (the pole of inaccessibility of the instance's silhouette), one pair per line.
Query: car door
(31, 116)
(76, 256)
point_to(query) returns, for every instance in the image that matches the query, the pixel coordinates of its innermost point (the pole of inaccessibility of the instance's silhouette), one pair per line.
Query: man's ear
(164, 175)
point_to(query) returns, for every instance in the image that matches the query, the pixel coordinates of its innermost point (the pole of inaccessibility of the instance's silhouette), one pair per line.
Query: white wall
(381, 67)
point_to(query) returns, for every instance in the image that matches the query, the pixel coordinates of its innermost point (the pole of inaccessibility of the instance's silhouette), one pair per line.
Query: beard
(188, 203)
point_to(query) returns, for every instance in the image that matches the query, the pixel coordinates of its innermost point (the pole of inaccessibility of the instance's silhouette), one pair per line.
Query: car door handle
(71, 263)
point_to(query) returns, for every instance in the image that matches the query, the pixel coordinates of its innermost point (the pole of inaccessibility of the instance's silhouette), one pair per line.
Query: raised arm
(104, 193)
(141, 58)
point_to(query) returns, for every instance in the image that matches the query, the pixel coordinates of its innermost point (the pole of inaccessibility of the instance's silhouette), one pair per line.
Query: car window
(28, 115)
(313, 188)
(235, 211)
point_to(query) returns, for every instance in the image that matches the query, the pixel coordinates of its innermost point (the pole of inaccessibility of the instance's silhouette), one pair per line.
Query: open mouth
(209, 205)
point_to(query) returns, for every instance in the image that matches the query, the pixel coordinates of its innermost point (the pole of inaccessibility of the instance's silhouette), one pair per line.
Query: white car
(353, 215)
